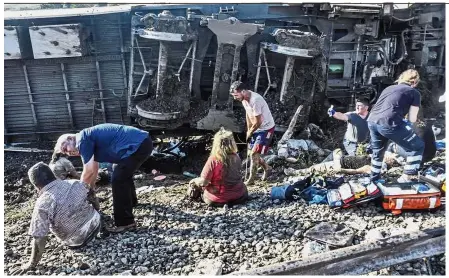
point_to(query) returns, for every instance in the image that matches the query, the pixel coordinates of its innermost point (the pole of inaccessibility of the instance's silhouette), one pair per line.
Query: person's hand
(93, 199)
(23, 269)
(194, 182)
(331, 111)
(193, 189)
(249, 133)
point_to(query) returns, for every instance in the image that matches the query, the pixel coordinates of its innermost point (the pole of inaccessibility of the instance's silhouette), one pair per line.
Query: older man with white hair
(127, 147)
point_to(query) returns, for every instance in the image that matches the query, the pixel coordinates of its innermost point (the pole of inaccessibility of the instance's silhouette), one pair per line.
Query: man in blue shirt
(357, 130)
(125, 146)
(386, 122)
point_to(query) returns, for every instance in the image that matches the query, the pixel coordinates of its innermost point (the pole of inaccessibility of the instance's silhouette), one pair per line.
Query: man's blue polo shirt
(109, 142)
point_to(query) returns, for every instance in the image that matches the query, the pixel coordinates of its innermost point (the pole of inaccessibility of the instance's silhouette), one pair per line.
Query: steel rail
(362, 258)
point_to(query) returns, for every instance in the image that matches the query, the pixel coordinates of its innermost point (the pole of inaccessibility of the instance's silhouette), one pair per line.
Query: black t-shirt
(357, 130)
(393, 104)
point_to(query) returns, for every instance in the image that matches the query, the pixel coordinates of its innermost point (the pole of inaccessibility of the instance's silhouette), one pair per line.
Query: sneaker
(407, 178)
(290, 171)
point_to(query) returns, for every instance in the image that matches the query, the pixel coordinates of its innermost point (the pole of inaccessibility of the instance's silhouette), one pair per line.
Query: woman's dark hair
(56, 156)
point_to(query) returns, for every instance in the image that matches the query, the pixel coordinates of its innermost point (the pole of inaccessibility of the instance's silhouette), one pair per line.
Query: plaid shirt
(63, 208)
(62, 168)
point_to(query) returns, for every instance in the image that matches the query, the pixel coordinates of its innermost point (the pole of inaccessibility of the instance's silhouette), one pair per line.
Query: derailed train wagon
(165, 67)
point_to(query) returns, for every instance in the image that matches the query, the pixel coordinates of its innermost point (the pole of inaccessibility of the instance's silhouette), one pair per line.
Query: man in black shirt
(386, 122)
(357, 131)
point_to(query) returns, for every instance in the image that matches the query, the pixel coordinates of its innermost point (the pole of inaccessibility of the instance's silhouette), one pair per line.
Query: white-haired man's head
(66, 144)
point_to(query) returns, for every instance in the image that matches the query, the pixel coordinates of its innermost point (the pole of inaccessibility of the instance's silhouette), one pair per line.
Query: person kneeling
(62, 167)
(221, 180)
(65, 207)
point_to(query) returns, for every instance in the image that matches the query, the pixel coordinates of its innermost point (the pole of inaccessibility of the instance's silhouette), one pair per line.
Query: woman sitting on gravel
(221, 180)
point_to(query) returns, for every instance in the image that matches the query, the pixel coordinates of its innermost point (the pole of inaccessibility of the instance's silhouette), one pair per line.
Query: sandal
(119, 229)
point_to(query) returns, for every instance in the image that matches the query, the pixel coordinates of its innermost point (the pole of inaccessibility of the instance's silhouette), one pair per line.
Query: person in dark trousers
(386, 122)
(127, 147)
(361, 164)
(425, 132)
(357, 131)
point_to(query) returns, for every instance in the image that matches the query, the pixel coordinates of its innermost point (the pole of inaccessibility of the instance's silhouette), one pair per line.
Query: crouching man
(64, 207)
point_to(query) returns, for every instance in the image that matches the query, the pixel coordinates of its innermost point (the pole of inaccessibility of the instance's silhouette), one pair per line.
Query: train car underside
(171, 66)
(326, 52)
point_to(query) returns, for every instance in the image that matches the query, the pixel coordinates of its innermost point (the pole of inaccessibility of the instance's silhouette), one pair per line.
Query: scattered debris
(160, 178)
(209, 267)
(331, 233)
(312, 248)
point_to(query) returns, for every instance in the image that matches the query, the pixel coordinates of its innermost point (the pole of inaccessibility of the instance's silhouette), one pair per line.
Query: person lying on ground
(221, 180)
(386, 123)
(345, 164)
(125, 146)
(260, 127)
(357, 129)
(64, 207)
(62, 167)
(394, 156)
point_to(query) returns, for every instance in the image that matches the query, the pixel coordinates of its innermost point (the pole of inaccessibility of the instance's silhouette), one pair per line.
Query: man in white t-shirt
(260, 127)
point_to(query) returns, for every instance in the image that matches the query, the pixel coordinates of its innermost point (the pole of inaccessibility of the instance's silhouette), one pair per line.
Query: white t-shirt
(258, 106)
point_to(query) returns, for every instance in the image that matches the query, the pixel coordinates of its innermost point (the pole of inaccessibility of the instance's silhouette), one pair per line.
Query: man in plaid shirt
(64, 207)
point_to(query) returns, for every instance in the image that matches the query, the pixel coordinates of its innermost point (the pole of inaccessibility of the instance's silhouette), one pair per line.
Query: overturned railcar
(166, 67)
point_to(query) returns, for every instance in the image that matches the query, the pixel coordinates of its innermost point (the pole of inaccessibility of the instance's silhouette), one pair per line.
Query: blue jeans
(350, 147)
(404, 136)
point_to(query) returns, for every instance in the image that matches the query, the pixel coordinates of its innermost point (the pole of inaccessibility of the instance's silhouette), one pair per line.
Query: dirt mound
(17, 186)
